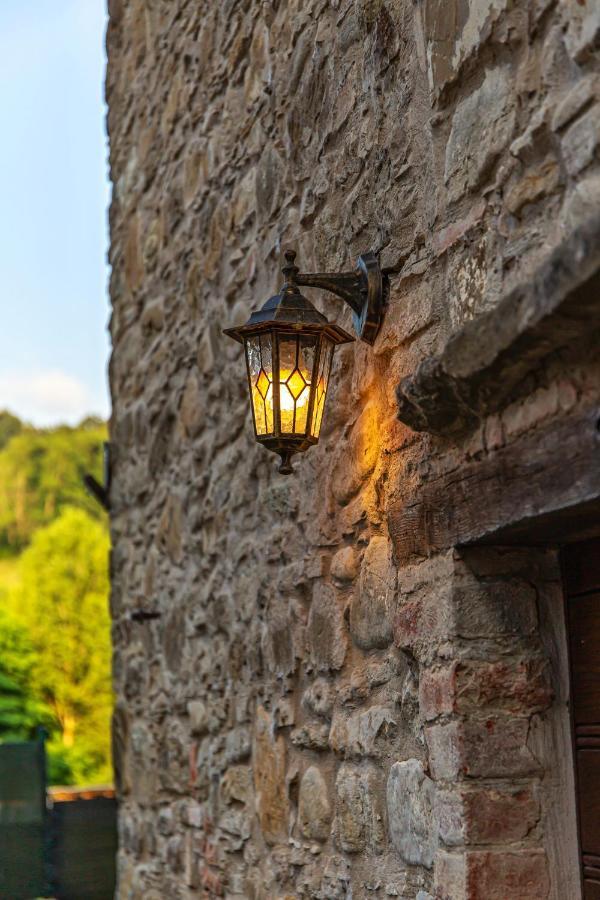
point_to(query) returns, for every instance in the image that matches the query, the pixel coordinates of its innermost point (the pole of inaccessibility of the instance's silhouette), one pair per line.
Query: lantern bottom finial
(285, 467)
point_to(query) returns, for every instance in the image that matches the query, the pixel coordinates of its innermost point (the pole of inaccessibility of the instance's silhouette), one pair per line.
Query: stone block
(359, 814)
(314, 807)
(319, 698)
(518, 686)
(169, 535)
(372, 606)
(454, 32)
(410, 805)
(580, 141)
(345, 566)
(495, 747)
(520, 875)
(236, 785)
(486, 815)
(192, 410)
(535, 184)
(450, 876)
(482, 127)
(437, 692)
(311, 736)
(269, 768)
(326, 631)
(494, 608)
(424, 621)
(365, 732)
(577, 98)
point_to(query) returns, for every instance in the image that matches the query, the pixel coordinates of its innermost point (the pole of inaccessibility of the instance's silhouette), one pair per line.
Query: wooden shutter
(581, 568)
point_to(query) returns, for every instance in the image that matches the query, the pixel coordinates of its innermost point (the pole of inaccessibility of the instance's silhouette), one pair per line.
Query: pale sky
(53, 200)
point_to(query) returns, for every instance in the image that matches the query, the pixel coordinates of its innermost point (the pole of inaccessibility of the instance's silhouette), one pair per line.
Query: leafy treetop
(41, 472)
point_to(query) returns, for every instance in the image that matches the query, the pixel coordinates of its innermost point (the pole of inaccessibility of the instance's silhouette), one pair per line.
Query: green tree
(62, 598)
(41, 473)
(9, 426)
(21, 712)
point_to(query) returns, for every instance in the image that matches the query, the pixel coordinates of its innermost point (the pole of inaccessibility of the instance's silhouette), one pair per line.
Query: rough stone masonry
(321, 707)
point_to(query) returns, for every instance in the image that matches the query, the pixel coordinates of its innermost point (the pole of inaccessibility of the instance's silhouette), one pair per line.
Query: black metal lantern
(289, 350)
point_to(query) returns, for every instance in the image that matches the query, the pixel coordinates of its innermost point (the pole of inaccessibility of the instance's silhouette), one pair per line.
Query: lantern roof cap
(289, 310)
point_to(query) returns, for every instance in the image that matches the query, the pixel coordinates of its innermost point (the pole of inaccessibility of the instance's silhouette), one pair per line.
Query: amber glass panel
(260, 372)
(296, 355)
(321, 386)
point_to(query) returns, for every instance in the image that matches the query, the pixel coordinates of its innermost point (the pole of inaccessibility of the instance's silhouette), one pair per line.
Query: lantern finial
(290, 270)
(285, 466)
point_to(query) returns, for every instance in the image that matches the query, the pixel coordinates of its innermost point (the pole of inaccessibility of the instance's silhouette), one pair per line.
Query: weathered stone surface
(576, 99)
(345, 565)
(314, 808)
(269, 767)
(456, 139)
(410, 809)
(517, 687)
(372, 607)
(363, 733)
(485, 815)
(536, 184)
(192, 411)
(326, 631)
(493, 748)
(170, 529)
(482, 126)
(359, 819)
(319, 698)
(456, 32)
(580, 143)
(453, 390)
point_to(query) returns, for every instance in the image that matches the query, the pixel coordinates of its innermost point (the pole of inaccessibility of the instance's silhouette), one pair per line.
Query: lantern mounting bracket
(365, 290)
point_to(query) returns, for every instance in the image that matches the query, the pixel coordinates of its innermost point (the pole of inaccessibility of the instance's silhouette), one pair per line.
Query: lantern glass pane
(296, 355)
(260, 374)
(266, 378)
(321, 386)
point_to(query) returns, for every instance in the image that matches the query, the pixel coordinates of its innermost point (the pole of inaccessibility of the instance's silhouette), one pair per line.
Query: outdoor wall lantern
(289, 349)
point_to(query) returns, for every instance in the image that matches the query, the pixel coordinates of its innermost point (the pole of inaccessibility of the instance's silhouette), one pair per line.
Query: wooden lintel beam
(542, 488)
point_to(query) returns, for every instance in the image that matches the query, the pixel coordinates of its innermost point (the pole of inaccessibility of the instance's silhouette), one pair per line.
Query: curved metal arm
(365, 290)
(345, 285)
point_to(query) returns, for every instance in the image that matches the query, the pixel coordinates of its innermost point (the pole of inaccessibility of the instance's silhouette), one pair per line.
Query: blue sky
(53, 200)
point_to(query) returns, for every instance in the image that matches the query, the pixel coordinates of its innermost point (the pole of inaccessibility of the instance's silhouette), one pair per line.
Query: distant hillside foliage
(40, 473)
(55, 654)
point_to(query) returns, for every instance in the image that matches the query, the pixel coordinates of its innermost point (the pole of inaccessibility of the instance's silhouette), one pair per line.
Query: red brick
(437, 692)
(517, 875)
(422, 622)
(482, 815)
(520, 686)
(495, 747)
(493, 875)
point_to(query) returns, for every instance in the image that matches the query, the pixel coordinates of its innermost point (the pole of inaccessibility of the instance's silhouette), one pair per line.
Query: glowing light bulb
(294, 395)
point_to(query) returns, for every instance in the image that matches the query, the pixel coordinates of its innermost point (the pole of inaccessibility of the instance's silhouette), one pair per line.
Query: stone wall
(307, 706)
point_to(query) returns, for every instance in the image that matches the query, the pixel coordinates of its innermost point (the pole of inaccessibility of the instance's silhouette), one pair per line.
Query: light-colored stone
(326, 632)
(481, 128)
(372, 607)
(345, 565)
(314, 808)
(410, 807)
(581, 140)
(363, 733)
(359, 822)
(269, 767)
